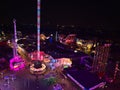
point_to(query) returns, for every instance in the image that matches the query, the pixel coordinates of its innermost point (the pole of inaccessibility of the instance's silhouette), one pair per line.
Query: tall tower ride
(38, 28)
(15, 39)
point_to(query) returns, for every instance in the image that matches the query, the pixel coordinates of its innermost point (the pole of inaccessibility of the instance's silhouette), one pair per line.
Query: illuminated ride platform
(85, 79)
(37, 67)
(34, 55)
(17, 63)
(44, 60)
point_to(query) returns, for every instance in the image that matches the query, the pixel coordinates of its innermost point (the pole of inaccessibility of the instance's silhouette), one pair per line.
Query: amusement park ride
(16, 63)
(39, 61)
(100, 59)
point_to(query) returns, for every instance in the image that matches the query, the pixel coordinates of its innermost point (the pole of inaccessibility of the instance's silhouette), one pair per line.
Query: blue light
(38, 26)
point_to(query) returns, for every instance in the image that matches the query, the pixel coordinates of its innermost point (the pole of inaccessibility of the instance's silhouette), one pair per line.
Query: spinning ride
(37, 67)
(17, 63)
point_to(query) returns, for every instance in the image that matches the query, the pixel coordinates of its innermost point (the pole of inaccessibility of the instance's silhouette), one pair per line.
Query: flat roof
(84, 78)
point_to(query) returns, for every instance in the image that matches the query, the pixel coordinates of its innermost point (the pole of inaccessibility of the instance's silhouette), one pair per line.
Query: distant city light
(75, 51)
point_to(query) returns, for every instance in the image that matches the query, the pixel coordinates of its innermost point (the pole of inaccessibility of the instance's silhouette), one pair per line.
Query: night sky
(65, 12)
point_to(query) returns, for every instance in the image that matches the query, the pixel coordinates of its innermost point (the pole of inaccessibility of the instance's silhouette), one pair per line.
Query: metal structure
(116, 70)
(56, 36)
(100, 59)
(16, 63)
(15, 39)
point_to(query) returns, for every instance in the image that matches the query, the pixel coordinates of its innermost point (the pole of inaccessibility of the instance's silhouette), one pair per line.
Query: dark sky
(80, 12)
(23, 10)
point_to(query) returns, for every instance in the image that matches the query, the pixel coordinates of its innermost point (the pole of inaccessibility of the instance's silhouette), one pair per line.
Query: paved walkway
(23, 80)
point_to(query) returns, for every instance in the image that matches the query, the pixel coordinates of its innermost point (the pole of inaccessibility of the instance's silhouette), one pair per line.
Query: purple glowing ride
(17, 63)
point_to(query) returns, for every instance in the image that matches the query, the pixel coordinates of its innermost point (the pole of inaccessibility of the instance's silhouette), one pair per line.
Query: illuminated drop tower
(36, 55)
(100, 59)
(38, 29)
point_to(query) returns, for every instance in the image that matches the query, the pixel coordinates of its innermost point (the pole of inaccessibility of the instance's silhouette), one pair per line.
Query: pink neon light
(17, 63)
(33, 55)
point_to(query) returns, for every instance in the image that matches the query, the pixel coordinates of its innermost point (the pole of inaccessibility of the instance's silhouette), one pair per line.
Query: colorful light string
(38, 27)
